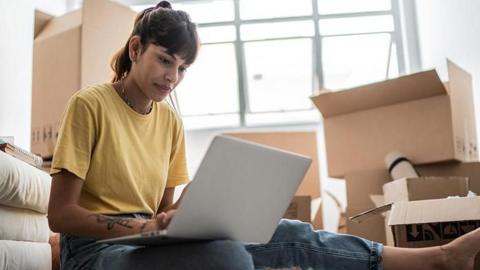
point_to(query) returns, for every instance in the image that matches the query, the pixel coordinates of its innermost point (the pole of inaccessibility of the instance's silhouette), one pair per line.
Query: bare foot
(460, 253)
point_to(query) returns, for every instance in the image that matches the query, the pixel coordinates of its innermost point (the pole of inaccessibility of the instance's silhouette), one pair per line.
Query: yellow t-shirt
(126, 159)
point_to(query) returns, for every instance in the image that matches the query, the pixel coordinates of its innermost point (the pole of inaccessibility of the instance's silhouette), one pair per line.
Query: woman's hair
(161, 26)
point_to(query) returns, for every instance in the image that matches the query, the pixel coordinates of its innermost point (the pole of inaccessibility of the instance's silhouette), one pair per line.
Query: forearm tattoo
(112, 221)
(143, 226)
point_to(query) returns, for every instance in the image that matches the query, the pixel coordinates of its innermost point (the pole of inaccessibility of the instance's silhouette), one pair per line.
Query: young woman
(121, 152)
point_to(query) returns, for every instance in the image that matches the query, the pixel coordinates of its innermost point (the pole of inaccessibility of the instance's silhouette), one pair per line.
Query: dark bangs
(171, 29)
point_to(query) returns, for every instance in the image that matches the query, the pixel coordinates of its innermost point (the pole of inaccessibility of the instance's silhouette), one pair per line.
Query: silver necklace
(124, 95)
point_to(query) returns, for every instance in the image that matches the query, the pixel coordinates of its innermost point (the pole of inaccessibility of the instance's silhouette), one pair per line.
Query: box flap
(403, 89)
(425, 188)
(60, 24)
(463, 110)
(437, 188)
(371, 212)
(439, 210)
(41, 20)
(110, 23)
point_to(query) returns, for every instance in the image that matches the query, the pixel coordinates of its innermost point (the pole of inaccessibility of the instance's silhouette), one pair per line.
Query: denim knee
(289, 230)
(301, 232)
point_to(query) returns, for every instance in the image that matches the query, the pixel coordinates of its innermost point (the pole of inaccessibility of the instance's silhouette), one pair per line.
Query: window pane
(350, 6)
(254, 9)
(208, 11)
(217, 34)
(276, 30)
(210, 85)
(279, 74)
(356, 25)
(354, 60)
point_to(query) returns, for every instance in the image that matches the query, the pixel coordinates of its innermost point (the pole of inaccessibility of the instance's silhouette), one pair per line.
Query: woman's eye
(164, 60)
(183, 69)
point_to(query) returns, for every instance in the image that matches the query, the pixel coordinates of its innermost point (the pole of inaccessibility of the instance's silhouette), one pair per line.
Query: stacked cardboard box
(432, 123)
(77, 48)
(306, 205)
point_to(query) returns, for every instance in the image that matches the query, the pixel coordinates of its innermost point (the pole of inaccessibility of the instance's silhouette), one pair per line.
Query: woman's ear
(134, 48)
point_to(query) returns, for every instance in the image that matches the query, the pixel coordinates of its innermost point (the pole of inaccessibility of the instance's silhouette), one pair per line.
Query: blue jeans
(294, 245)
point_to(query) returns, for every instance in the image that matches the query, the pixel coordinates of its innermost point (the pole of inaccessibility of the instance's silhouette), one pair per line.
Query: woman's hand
(160, 222)
(164, 218)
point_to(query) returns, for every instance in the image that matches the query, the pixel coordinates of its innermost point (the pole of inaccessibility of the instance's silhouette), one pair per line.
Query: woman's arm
(66, 216)
(167, 200)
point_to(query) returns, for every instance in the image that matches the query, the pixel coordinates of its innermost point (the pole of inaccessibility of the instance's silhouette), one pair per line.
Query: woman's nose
(172, 76)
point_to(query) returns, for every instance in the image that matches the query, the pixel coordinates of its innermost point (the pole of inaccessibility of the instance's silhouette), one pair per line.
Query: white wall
(16, 45)
(16, 32)
(451, 28)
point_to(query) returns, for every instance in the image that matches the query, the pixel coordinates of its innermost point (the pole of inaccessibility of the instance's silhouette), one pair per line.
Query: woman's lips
(163, 88)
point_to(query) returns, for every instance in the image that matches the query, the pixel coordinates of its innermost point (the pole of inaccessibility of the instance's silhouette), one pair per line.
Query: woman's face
(157, 73)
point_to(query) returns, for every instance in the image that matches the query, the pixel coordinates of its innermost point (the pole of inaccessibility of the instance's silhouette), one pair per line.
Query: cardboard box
(361, 185)
(299, 208)
(317, 214)
(465, 169)
(304, 143)
(372, 228)
(405, 189)
(413, 114)
(71, 52)
(428, 223)
(305, 209)
(433, 222)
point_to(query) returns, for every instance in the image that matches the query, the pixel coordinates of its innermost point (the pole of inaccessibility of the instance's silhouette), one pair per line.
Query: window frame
(398, 37)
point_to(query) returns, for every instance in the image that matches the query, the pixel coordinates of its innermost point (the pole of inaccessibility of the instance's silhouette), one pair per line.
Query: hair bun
(164, 4)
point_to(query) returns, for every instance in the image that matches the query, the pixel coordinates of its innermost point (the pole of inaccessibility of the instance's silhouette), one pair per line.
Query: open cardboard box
(71, 52)
(433, 222)
(362, 185)
(414, 114)
(412, 189)
(428, 223)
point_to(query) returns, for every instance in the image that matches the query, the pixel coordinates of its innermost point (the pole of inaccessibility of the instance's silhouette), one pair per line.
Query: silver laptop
(240, 192)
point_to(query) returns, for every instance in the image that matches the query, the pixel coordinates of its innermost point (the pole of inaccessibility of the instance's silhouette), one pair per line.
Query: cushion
(22, 185)
(23, 225)
(25, 255)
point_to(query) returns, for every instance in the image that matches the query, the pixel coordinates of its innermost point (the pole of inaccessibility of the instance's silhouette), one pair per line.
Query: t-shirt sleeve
(178, 172)
(76, 139)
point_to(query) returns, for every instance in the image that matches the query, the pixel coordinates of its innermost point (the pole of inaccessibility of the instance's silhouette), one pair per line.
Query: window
(275, 69)
(261, 60)
(210, 88)
(356, 49)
